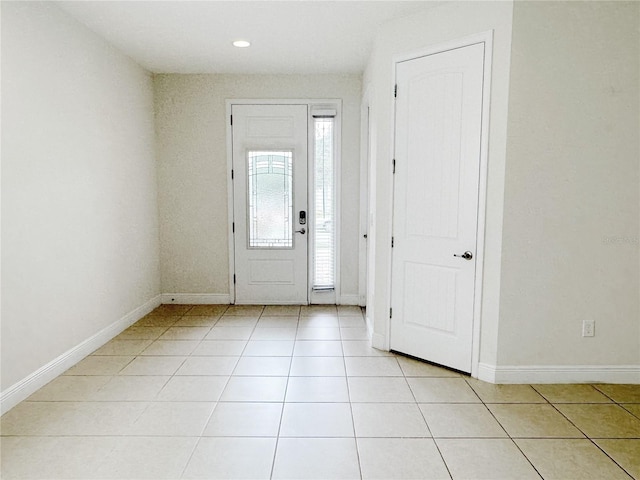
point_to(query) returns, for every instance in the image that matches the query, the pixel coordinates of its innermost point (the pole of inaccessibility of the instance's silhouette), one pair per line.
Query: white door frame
(487, 39)
(335, 103)
(365, 166)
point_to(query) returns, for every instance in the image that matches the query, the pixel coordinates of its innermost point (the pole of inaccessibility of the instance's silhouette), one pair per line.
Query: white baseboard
(559, 373)
(196, 298)
(379, 341)
(38, 379)
(369, 323)
(349, 300)
(362, 300)
(487, 373)
(223, 298)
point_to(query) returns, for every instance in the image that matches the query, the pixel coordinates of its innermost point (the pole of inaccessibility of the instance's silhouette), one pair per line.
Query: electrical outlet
(588, 328)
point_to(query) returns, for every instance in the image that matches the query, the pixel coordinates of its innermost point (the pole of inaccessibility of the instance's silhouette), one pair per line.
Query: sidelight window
(324, 261)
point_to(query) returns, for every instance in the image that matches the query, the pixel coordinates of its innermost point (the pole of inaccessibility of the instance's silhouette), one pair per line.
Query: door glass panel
(270, 192)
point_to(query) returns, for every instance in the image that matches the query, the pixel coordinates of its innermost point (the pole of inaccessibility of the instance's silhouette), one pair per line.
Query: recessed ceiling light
(241, 44)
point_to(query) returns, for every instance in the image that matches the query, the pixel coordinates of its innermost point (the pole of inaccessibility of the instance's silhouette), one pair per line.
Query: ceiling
(288, 37)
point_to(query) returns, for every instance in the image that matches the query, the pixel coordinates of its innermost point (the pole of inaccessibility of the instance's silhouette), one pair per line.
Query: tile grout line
(435, 443)
(610, 457)
(548, 402)
(199, 437)
(146, 402)
(587, 437)
(353, 422)
(344, 361)
(622, 405)
(513, 441)
(170, 376)
(284, 398)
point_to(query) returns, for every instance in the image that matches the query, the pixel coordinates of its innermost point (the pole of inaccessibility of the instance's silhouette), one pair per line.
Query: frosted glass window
(324, 205)
(270, 199)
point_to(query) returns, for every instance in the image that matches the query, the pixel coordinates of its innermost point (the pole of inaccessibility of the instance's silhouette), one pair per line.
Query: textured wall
(191, 127)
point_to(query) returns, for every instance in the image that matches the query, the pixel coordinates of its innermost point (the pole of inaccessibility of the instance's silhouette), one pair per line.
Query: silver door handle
(466, 255)
(302, 231)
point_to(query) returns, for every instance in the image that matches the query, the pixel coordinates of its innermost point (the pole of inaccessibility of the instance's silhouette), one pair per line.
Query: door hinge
(395, 91)
(233, 227)
(234, 278)
(391, 313)
(232, 174)
(231, 119)
(393, 162)
(392, 242)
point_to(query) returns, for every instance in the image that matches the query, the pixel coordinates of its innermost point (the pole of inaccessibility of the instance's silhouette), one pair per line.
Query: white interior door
(269, 144)
(436, 186)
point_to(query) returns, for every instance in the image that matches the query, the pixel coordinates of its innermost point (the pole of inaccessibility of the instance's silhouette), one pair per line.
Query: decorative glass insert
(270, 199)
(324, 205)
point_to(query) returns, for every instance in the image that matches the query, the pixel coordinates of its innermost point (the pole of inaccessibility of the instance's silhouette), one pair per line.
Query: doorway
(438, 225)
(270, 230)
(284, 201)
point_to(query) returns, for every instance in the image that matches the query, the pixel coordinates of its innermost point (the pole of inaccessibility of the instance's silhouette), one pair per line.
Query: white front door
(435, 215)
(269, 149)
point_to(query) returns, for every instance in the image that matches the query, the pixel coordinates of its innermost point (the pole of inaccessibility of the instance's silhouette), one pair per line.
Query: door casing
(487, 39)
(365, 168)
(334, 103)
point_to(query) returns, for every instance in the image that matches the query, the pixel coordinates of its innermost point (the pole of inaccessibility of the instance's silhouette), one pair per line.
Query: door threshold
(466, 374)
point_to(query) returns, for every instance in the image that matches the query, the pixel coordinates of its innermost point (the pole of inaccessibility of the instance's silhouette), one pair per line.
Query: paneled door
(269, 145)
(435, 216)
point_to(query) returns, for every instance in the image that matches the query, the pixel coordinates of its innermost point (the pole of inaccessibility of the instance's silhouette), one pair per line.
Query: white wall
(79, 193)
(191, 126)
(571, 232)
(446, 22)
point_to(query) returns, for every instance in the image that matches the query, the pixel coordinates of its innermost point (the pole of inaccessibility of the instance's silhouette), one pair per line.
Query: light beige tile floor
(289, 392)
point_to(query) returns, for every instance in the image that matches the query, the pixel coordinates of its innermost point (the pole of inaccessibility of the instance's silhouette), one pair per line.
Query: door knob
(466, 255)
(302, 231)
